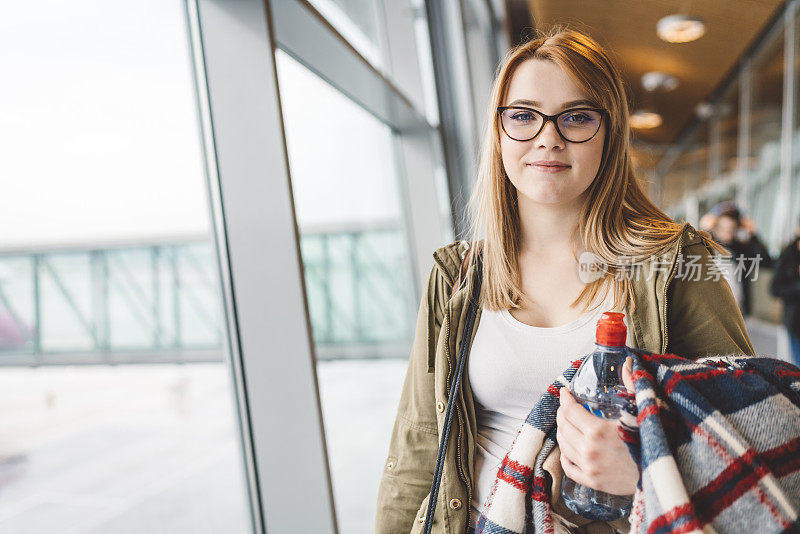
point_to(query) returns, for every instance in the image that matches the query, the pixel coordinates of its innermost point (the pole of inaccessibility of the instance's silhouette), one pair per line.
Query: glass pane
(728, 110)
(425, 57)
(17, 311)
(673, 184)
(358, 21)
(358, 277)
(764, 162)
(480, 46)
(106, 256)
(794, 207)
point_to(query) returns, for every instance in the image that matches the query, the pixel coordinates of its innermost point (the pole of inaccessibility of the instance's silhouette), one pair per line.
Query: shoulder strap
(455, 385)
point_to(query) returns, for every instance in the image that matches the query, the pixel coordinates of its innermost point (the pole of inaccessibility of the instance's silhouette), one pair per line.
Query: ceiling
(627, 29)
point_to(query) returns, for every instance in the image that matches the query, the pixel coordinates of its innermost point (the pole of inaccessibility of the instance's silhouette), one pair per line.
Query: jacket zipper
(458, 415)
(447, 388)
(666, 290)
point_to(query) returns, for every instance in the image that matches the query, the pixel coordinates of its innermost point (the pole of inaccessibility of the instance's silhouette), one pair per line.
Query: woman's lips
(550, 168)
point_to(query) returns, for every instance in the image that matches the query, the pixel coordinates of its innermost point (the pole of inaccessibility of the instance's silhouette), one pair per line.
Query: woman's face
(544, 86)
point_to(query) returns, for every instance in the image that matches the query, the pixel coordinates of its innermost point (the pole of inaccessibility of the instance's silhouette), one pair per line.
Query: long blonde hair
(617, 219)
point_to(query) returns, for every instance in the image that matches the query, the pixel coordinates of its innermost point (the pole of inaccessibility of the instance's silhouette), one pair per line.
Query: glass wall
(358, 276)
(482, 52)
(360, 22)
(747, 167)
(727, 111)
(106, 256)
(794, 194)
(690, 169)
(763, 162)
(350, 215)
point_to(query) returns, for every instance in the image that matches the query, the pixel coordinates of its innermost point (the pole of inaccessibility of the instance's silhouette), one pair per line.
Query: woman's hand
(592, 452)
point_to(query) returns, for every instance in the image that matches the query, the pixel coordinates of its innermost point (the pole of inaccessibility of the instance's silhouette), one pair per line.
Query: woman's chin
(545, 192)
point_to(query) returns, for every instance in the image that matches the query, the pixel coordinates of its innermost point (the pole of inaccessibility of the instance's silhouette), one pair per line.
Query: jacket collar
(652, 280)
(449, 257)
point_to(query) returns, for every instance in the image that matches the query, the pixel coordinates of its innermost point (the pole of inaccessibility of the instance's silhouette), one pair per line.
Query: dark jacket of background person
(786, 285)
(750, 266)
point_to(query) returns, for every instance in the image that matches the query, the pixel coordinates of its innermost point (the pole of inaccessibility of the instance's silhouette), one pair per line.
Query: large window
(350, 215)
(358, 276)
(106, 256)
(727, 111)
(361, 22)
(764, 158)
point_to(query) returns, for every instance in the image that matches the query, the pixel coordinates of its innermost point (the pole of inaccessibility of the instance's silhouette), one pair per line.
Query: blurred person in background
(748, 254)
(786, 285)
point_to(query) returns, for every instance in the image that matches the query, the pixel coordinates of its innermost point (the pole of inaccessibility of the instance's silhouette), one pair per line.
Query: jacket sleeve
(785, 283)
(408, 470)
(702, 315)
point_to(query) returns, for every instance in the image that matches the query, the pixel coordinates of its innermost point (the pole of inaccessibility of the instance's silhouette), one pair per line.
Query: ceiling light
(704, 110)
(644, 119)
(680, 28)
(659, 81)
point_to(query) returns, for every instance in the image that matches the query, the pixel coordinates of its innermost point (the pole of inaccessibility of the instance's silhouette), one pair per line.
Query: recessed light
(644, 119)
(680, 28)
(659, 81)
(704, 110)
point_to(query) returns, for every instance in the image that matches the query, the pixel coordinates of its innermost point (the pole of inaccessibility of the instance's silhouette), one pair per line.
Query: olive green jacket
(687, 316)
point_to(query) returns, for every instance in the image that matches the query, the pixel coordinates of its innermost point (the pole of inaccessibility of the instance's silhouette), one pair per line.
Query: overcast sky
(100, 139)
(98, 131)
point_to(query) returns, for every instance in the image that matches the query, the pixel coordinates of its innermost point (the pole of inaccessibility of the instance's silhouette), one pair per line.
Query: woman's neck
(548, 228)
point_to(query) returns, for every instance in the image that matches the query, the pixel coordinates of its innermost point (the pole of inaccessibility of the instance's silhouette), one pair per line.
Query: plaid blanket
(717, 441)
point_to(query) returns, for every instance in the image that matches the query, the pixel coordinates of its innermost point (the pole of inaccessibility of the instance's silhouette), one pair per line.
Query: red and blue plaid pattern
(717, 441)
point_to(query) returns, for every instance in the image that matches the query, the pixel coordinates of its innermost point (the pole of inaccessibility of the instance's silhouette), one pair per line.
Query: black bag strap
(452, 394)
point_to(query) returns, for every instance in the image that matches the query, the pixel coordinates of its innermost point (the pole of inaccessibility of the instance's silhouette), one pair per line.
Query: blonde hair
(617, 218)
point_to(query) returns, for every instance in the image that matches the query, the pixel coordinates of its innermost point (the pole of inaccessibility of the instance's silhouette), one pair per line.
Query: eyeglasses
(576, 125)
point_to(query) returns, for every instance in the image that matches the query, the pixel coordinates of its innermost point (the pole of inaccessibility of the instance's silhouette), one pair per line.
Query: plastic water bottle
(596, 385)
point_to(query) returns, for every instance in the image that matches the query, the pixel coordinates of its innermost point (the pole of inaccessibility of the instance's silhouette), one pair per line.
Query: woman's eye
(522, 116)
(577, 119)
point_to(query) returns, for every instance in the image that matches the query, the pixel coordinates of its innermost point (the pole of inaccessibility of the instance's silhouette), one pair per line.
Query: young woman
(555, 187)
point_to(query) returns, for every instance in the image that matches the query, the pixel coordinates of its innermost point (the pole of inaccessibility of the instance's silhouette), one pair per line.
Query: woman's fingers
(569, 446)
(578, 416)
(571, 469)
(627, 374)
(563, 416)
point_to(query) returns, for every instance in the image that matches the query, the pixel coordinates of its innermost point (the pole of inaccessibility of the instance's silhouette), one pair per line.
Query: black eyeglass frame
(547, 118)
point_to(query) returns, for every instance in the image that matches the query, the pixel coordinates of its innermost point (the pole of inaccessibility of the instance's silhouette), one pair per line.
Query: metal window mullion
(742, 191)
(258, 244)
(176, 297)
(413, 154)
(788, 125)
(453, 84)
(301, 33)
(155, 262)
(715, 146)
(36, 260)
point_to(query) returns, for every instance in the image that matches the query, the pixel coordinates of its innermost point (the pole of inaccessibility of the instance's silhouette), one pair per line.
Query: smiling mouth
(549, 167)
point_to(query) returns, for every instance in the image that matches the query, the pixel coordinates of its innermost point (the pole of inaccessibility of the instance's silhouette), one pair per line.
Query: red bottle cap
(611, 331)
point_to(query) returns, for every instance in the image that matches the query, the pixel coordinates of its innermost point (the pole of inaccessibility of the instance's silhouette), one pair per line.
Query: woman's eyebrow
(535, 104)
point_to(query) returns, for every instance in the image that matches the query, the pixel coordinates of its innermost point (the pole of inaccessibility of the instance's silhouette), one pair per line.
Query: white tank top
(510, 366)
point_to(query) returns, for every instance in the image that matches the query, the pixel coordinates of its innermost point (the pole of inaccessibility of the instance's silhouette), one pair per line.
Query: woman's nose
(549, 137)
